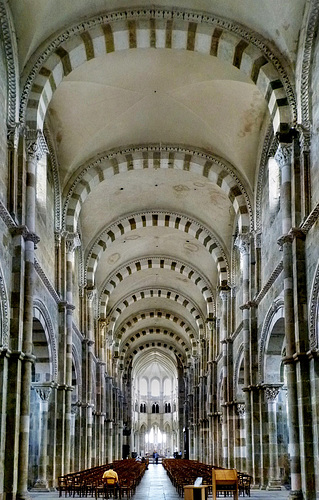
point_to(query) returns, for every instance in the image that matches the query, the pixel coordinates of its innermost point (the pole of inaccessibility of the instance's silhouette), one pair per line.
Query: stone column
(44, 392)
(271, 393)
(224, 295)
(284, 158)
(243, 244)
(13, 141)
(240, 458)
(35, 148)
(71, 243)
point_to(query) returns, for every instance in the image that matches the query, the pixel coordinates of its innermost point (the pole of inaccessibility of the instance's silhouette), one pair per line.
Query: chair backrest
(110, 481)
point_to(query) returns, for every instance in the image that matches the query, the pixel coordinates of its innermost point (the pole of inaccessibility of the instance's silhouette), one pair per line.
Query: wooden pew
(225, 480)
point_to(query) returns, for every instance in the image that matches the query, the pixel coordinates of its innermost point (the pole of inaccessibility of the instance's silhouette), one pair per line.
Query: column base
(295, 495)
(274, 485)
(40, 485)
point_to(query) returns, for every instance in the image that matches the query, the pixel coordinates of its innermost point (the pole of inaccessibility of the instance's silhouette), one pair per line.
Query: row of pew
(89, 482)
(184, 472)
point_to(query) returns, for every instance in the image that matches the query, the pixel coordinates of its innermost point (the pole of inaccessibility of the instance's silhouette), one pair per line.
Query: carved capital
(283, 154)
(43, 391)
(36, 144)
(72, 241)
(13, 135)
(285, 238)
(241, 408)
(305, 137)
(271, 392)
(296, 232)
(32, 237)
(242, 242)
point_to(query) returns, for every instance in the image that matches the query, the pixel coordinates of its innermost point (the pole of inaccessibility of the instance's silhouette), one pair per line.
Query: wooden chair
(63, 485)
(111, 488)
(225, 481)
(244, 482)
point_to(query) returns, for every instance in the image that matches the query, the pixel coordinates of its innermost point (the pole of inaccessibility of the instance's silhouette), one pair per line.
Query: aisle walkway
(156, 485)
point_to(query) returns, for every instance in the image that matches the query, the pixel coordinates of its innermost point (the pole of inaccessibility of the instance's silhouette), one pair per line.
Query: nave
(155, 484)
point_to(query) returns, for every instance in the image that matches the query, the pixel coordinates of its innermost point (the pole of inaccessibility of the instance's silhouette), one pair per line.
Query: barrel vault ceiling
(157, 230)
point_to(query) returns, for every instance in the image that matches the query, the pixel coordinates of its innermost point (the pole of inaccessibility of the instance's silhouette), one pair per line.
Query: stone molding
(310, 220)
(305, 71)
(47, 283)
(237, 362)
(269, 149)
(197, 17)
(12, 62)
(6, 217)
(314, 314)
(4, 315)
(271, 280)
(56, 182)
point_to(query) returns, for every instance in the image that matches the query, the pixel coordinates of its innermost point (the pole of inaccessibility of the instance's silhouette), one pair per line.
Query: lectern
(226, 481)
(192, 492)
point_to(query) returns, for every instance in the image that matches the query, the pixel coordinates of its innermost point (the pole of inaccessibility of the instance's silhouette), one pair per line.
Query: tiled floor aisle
(156, 485)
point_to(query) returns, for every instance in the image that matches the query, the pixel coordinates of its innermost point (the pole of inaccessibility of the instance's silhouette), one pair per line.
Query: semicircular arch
(170, 29)
(150, 262)
(164, 293)
(159, 218)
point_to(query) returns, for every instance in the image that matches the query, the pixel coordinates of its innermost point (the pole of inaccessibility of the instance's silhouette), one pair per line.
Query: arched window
(167, 387)
(155, 387)
(143, 386)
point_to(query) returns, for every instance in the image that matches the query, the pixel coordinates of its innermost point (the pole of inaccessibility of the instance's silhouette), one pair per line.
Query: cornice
(197, 17)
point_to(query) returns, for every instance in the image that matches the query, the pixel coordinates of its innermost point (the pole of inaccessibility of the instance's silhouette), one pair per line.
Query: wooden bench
(225, 481)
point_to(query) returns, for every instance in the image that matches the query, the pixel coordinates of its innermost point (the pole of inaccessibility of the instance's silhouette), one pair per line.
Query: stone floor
(156, 485)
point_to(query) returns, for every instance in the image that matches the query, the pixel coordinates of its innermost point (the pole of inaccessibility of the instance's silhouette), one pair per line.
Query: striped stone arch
(148, 293)
(155, 314)
(147, 338)
(156, 263)
(157, 219)
(130, 353)
(104, 166)
(41, 314)
(238, 362)
(169, 29)
(274, 313)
